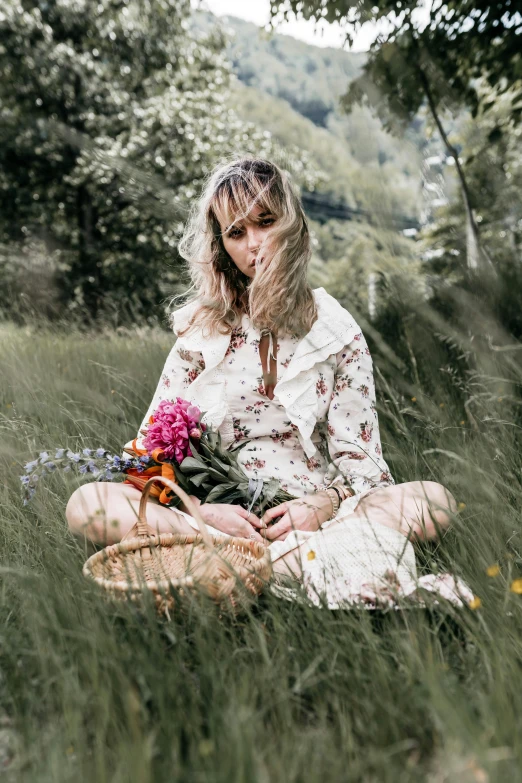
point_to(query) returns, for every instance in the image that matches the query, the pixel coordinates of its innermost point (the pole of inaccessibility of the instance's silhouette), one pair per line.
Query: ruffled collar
(333, 327)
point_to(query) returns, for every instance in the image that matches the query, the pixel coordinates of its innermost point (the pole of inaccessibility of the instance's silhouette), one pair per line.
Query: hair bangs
(237, 195)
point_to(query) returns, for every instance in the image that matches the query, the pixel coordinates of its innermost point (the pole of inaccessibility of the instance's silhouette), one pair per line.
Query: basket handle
(142, 523)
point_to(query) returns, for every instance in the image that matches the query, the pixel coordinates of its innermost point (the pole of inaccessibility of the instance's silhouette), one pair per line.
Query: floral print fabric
(347, 429)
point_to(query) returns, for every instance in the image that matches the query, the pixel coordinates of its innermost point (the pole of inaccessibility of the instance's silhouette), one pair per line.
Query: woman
(286, 368)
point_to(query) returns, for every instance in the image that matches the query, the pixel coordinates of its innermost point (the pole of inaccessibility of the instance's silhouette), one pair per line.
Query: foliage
(457, 46)
(111, 118)
(494, 173)
(355, 252)
(29, 287)
(284, 692)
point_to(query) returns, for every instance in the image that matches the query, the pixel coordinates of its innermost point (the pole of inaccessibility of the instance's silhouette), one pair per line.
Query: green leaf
(199, 479)
(217, 492)
(219, 464)
(191, 464)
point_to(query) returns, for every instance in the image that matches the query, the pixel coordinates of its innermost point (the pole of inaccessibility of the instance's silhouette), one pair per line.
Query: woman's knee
(437, 503)
(87, 509)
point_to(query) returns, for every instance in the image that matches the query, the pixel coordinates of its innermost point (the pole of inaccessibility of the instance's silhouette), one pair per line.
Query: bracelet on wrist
(334, 499)
(339, 494)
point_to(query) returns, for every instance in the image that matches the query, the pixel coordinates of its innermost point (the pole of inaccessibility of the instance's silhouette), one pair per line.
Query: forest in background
(103, 152)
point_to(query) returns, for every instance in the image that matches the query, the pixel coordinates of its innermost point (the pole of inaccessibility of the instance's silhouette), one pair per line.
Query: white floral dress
(349, 552)
(273, 448)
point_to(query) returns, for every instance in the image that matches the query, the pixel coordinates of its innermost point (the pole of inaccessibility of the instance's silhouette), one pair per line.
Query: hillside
(290, 81)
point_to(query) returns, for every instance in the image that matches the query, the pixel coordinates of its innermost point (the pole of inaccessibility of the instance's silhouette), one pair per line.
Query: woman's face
(243, 240)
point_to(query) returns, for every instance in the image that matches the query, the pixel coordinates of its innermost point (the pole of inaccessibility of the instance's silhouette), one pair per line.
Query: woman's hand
(306, 513)
(231, 519)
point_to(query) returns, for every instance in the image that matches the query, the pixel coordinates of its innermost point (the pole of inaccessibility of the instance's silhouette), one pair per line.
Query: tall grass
(93, 690)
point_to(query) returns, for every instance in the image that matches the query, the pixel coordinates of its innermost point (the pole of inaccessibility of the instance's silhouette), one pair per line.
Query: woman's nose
(253, 237)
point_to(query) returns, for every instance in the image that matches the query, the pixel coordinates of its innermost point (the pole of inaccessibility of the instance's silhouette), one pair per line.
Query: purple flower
(59, 453)
(101, 452)
(74, 456)
(31, 466)
(25, 480)
(87, 452)
(50, 466)
(43, 456)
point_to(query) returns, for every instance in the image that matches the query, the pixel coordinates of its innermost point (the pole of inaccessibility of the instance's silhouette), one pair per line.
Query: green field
(98, 691)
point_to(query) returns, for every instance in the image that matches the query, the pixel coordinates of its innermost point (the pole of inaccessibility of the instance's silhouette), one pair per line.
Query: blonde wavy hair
(279, 297)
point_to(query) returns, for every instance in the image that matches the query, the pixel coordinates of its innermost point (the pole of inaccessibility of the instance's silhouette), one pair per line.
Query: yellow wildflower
(441, 405)
(516, 586)
(113, 391)
(493, 570)
(475, 603)
(462, 423)
(414, 399)
(461, 506)
(500, 399)
(311, 555)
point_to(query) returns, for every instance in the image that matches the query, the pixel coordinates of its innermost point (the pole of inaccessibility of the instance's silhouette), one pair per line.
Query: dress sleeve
(181, 368)
(354, 442)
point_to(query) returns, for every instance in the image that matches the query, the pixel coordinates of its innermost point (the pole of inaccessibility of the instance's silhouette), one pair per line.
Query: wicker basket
(229, 570)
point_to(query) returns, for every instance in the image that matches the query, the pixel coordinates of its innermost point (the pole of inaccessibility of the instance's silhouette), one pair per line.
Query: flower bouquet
(179, 447)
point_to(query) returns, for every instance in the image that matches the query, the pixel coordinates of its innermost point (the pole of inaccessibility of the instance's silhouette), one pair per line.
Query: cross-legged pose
(286, 368)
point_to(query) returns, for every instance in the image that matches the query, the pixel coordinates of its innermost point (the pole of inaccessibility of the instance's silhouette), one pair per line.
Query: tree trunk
(477, 256)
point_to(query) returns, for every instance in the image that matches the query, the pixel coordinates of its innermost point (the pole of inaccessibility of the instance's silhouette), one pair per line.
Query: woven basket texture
(230, 571)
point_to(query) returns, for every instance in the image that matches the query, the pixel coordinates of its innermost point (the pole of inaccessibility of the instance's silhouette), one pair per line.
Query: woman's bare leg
(419, 509)
(104, 512)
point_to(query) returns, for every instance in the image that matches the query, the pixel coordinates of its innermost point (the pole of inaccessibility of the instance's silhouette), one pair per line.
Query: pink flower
(170, 427)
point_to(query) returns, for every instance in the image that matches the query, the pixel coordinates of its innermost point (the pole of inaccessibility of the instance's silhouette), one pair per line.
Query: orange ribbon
(139, 478)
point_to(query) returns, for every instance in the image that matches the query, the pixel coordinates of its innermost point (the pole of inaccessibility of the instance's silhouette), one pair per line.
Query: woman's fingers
(274, 512)
(284, 526)
(250, 517)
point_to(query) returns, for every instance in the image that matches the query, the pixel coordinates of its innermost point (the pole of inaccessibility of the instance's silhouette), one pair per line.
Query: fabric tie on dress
(270, 375)
(270, 342)
(255, 486)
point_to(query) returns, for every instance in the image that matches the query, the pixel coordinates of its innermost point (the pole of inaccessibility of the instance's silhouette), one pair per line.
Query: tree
(442, 63)
(111, 116)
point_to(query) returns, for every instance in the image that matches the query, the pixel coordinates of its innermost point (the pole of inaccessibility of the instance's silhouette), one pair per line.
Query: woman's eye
(267, 221)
